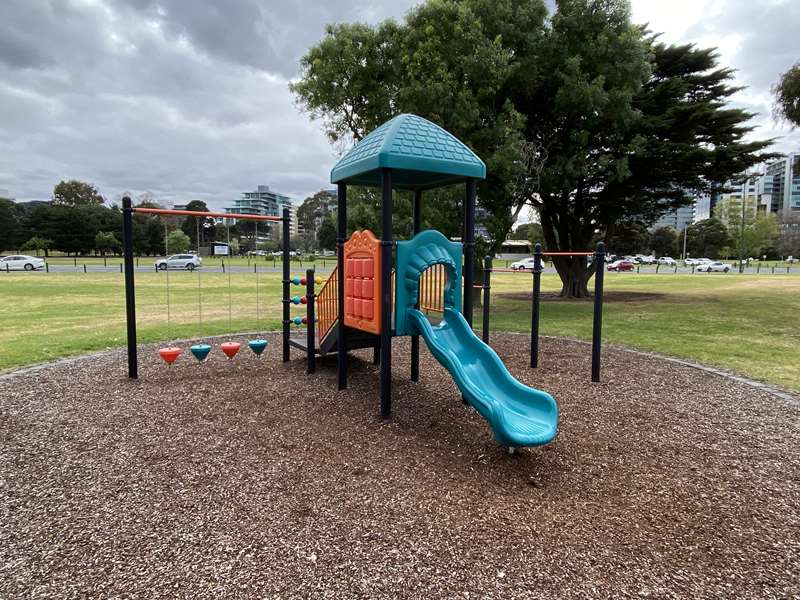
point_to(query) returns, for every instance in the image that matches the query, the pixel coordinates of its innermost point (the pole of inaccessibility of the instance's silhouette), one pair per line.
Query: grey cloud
(182, 98)
(767, 46)
(264, 35)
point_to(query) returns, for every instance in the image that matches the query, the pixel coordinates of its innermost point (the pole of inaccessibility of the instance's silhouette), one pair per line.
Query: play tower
(379, 285)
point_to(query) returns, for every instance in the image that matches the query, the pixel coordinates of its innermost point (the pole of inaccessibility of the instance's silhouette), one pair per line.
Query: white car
(695, 261)
(667, 261)
(526, 264)
(646, 260)
(714, 266)
(179, 261)
(21, 262)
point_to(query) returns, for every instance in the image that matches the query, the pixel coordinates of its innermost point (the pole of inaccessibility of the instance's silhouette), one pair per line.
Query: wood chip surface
(250, 479)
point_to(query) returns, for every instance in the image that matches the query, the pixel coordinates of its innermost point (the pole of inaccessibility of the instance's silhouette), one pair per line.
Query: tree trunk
(574, 276)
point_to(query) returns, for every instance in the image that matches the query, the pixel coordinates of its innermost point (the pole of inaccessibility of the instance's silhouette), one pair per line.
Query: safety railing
(328, 304)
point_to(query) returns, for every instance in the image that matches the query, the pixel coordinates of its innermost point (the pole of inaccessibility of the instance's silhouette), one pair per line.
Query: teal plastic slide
(518, 415)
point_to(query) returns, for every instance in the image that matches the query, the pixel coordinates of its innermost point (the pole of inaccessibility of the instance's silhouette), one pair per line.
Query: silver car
(714, 266)
(526, 264)
(21, 262)
(179, 261)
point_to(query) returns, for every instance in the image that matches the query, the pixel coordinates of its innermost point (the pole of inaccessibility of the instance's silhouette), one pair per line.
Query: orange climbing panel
(362, 290)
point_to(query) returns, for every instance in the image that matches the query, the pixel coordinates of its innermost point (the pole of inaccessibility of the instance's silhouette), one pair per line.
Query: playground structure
(382, 289)
(365, 303)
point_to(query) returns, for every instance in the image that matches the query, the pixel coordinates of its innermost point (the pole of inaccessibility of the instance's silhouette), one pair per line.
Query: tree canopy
(178, 242)
(76, 193)
(787, 96)
(706, 238)
(664, 242)
(584, 116)
(751, 232)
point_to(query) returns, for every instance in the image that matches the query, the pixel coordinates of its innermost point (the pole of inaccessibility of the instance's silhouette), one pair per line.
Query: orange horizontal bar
(199, 213)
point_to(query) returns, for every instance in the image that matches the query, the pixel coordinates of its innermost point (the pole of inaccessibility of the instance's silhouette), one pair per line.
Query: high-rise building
(264, 201)
(780, 186)
(678, 219)
(701, 210)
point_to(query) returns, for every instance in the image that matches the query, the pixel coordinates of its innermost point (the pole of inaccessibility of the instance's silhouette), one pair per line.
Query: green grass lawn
(748, 324)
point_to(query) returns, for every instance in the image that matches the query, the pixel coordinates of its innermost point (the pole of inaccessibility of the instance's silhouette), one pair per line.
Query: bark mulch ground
(250, 479)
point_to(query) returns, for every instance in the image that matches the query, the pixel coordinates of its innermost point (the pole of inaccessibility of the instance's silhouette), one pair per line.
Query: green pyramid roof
(420, 153)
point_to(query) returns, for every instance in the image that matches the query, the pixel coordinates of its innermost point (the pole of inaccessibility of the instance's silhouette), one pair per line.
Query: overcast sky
(188, 98)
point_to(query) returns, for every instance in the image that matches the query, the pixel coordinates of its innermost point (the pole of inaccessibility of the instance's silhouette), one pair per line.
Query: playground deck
(251, 479)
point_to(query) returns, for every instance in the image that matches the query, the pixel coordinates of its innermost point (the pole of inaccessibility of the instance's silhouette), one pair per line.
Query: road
(327, 267)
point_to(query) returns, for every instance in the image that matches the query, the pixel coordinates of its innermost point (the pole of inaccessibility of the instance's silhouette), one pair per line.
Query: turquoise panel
(414, 256)
(421, 154)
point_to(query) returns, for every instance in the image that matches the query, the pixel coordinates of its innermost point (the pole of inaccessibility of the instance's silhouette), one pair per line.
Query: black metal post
(415, 338)
(469, 248)
(535, 300)
(311, 353)
(386, 293)
(130, 290)
(341, 238)
(376, 355)
(487, 275)
(597, 323)
(286, 234)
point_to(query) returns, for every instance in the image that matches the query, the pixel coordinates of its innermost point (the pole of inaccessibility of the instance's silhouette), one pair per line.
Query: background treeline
(78, 222)
(75, 221)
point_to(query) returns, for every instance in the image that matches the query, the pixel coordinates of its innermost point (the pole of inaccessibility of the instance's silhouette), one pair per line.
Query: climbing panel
(362, 291)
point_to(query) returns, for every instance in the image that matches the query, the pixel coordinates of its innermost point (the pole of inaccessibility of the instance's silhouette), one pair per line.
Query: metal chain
(230, 326)
(166, 270)
(199, 289)
(258, 313)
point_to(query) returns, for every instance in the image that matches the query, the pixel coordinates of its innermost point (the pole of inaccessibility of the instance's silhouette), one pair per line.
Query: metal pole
(311, 354)
(741, 239)
(386, 293)
(415, 338)
(130, 292)
(685, 232)
(487, 274)
(285, 300)
(341, 238)
(535, 299)
(469, 248)
(597, 322)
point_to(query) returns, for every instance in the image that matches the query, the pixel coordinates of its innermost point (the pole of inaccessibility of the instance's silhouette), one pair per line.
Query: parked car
(646, 260)
(666, 260)
(695, 261)
(526, 264)
(621, 265)
(179, 261)
(21, 262)
(714, 266)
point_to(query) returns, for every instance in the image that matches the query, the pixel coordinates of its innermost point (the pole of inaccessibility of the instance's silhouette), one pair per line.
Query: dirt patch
(250, 479)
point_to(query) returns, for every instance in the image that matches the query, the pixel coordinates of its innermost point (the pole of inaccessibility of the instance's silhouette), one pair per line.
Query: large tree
(751, 232)
(706, 238)
(189, 226)
(664, 241)
(9, 225)
(787, 96)
(584, 116)
(76, 193)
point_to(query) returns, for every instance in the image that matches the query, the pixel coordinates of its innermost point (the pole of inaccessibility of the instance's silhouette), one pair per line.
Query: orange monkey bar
(198, 213)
